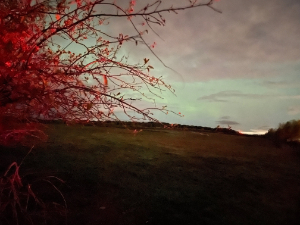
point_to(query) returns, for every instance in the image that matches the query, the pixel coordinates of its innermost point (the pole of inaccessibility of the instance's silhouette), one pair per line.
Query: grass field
(163, 176)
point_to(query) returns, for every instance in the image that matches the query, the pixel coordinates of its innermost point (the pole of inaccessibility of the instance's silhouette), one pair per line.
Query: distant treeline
(145, 125)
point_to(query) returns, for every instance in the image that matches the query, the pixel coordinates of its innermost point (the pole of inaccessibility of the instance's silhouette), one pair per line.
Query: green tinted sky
(240, 67)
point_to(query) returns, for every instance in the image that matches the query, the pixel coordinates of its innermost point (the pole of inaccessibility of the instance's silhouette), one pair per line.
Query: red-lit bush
(43, 77)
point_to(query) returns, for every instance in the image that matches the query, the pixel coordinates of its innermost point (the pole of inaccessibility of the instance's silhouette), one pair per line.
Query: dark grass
(162, 176)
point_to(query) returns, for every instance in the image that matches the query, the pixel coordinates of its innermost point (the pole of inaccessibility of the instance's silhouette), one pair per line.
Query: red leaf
(105, 79)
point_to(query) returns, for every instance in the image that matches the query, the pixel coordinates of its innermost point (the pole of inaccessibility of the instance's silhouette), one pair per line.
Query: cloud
(249, 39)
(224, 120)
(227, 122)
(281, 84)
(225, 117)
(219, 97)
(223, 96)
(257, 30)
(294, 110)
(265, 127)
(289, 97)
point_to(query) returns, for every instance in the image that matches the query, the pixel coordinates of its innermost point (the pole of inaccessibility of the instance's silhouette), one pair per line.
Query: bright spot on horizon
(254, 132)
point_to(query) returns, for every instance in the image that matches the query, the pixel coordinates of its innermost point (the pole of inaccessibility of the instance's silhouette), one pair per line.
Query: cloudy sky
(240, 67)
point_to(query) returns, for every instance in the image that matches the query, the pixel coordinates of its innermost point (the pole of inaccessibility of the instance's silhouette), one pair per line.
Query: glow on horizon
(254, 132)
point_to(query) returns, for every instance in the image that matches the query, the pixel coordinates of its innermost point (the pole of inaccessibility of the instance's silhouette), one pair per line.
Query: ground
(115, 176)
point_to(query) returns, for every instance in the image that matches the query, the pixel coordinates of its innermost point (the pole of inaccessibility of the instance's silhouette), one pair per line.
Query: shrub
(289, 131)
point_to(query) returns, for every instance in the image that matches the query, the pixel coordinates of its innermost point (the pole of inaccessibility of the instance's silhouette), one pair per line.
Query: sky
(239, 68)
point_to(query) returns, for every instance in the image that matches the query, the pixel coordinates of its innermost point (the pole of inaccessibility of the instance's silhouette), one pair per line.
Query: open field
(163, 176)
